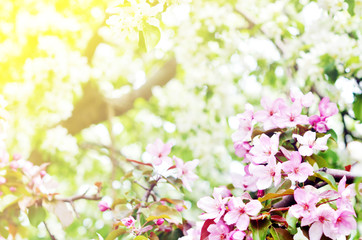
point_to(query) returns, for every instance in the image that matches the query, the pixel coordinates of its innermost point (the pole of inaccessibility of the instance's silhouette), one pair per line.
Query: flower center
(305, 207)
(242, 211)
(321, 219)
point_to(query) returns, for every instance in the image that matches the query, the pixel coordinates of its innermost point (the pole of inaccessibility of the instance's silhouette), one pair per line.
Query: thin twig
(94, 197)
(50, 234)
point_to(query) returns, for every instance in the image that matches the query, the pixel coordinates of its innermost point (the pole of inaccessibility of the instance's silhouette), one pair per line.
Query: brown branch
(92, 107)
(252, 23)
(71, 199)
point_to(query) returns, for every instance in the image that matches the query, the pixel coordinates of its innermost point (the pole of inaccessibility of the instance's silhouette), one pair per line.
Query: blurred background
(92, 82)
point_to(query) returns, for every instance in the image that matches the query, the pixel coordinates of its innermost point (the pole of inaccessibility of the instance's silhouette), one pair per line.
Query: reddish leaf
(281, 234)
(280, 219)
(138, 162)
(204, 232)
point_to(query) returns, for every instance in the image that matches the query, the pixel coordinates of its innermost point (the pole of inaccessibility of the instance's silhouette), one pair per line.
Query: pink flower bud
(12, 189)
(14, 165)
(128, 221)
(179, 207)
(160, 221)
(103, 206)
(260, 193)
(2, 180)
(16, 156)
(43, 173)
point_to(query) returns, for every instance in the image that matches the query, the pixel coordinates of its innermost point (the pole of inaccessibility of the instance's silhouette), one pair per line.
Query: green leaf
(119, 201)
(7, 200)
(281, 193)
(333, 134)
(36, 215)
(140, 238)
(319, 160)
(292, 223)
(151, 218)
(259, 228)
(328, 64)
(357, 106)
(351, 4)
(173, 215)
(280, 234)
(116, 233)
(149, 37)
(3, 232)
(327, 178)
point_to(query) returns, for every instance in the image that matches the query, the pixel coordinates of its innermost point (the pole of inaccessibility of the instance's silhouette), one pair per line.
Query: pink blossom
(17, 156)
(214, 207)
(103, 206)
(236, 235)
(14, 165)
(296, 170)
(246, 182)
(4, 157)
(218, 231)
(264, 148)
(267, 174)
(305, 100)
(159, 150)
(272, 109)
(179, 207)
(346, 194)
(326, 108)
(239, 212)
(185, 172)
(165, 169)
(241, 148)
(306, 201)
(344, 222)
(319, 124)
(290, 116)
(12, 189)
(2, 180)
(246, 125)
(322, 222)
(222, 191)
(309, 143)
(128, 221)
(192, 234)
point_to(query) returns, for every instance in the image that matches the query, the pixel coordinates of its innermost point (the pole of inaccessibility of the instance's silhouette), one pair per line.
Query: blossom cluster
(37, 181)
(163, 164)
(330, 212)
(231, 215)
(161, 214)
(268, 160)
(285, 150)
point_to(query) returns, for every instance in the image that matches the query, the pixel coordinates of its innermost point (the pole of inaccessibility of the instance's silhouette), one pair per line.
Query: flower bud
(128, 221)
(103, 206)
(160, 221)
